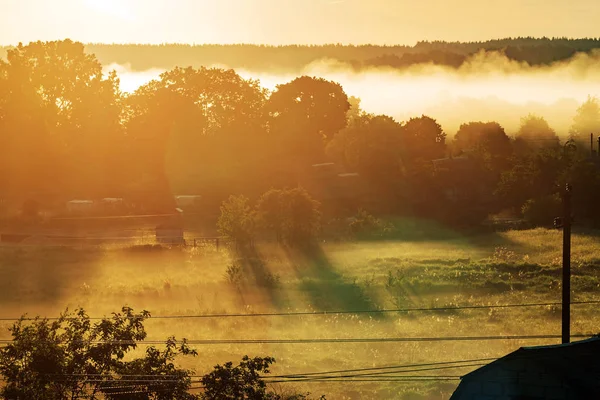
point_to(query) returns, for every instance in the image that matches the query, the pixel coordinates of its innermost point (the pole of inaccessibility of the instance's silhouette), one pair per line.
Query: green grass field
(409, 272)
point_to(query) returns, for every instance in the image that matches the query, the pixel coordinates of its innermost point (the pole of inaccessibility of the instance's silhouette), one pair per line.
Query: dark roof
(576, 363)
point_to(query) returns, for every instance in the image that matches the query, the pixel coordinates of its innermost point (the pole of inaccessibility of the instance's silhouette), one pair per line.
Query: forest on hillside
(293, 58)
(68, 132)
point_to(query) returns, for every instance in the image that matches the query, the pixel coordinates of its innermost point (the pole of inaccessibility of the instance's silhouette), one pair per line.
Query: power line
(331, 340)
(377, 380)
(324, 313)
(387, 367)
(305, 374)
(379, 373)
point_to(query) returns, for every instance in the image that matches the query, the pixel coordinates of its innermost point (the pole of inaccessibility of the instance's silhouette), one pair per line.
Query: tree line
(67, 131)
(293, 58)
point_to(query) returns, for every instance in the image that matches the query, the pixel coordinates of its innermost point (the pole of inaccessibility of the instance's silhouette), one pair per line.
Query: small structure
(566, 372)
(187, 200)
(79, 206)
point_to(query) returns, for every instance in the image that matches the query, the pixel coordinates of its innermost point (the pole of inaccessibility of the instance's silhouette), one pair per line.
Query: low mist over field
(487, 87)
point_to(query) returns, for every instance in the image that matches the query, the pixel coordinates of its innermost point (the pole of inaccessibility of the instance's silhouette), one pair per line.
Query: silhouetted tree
(72, 357)
(535, 133)
(586, 120)
(238, 382)
(305, 114)
(423, 140)
(486, 141)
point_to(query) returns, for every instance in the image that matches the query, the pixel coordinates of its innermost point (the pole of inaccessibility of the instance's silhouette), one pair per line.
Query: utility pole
(566, 272)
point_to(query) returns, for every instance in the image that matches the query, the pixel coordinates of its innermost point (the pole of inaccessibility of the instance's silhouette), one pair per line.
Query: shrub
(365, 224)
(542, 211)
(236, 220)
(292, 214)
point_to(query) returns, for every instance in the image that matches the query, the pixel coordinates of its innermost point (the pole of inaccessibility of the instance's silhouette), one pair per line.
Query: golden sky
(293, 21)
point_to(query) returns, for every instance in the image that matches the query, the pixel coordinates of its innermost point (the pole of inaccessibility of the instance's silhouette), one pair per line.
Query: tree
(292, 213)
(71, 357)
(542, 211)
(237, 220)
(305, 114)
(533, 176)
(243, 382)
(373, 147)
(240, 382)
(487, 141)
(423, 140)
(271, 212)
(487, 137)
(199, 129)
(314, 105)
(61, 121)
(586, 120)
(535, 133)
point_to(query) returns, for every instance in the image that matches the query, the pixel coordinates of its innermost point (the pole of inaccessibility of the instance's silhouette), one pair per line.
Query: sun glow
(114, 8)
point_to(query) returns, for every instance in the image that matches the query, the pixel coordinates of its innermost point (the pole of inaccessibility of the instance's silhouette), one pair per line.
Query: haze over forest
(497, 80)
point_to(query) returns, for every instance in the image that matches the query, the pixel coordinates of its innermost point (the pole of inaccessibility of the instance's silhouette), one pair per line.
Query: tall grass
(495, 268)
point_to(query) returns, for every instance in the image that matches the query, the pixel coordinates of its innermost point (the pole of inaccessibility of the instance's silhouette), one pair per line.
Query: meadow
(426, 267)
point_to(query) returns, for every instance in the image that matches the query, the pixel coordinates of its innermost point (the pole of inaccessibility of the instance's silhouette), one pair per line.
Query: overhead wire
(322, 313)
(331, 340)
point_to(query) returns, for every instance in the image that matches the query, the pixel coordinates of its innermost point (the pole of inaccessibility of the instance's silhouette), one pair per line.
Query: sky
(293, 21)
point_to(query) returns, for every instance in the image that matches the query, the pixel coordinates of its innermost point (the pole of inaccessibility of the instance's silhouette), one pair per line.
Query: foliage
(237, 220)
(292, 213)
(487, 141)
(586, 120)
(365, 224)
(71, 357)
(370, 145)
(68, 132)
(294, 58)
(542, 211)
(59, 112)
(535, 133)
(238, 382)
(423, 139)
(532, 176)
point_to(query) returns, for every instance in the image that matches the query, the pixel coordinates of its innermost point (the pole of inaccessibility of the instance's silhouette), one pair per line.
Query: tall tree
(305, 114)
(62, 119)
(198, 129)
(372, 146)
(424, 139)
(535, 133)
(586, 120)
(487, 141)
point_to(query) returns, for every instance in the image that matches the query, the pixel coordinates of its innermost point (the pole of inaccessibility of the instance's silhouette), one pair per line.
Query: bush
(292, 214)
(365, 224)
(542, 211)
(237, 220)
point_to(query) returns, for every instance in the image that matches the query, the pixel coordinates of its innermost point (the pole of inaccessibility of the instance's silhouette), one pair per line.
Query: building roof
(577, 364)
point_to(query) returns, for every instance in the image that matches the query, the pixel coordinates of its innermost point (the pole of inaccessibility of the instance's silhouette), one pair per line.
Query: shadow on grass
(43, 275)
(253, 261)
(418, 230)
(326, 288)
